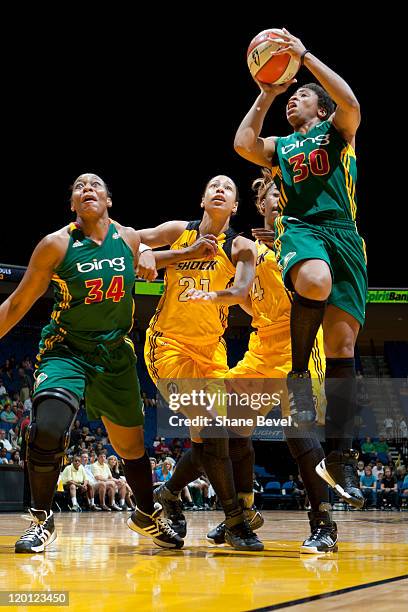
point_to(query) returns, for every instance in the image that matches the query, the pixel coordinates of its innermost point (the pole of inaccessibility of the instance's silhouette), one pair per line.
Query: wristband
(302, 57)
(143, 248)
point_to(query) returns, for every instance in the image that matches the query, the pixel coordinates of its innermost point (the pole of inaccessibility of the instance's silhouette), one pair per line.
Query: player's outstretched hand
(266, 236)
(204, 248)
(196, 295)
(146, 268)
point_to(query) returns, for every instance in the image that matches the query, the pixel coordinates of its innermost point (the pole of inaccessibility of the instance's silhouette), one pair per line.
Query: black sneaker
(252, 515)
(172, 509)
(40, 533)
(301, 402)
(241, 537)
(323, 538)
(339, 470)
(154, 527)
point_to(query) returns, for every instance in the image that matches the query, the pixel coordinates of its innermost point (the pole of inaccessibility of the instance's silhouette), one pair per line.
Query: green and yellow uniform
(316, 175)
(85, 347)
(269, 353)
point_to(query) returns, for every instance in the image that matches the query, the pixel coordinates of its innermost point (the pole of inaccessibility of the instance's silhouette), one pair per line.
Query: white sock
(122, 502)
(74, 501)
(92, 501)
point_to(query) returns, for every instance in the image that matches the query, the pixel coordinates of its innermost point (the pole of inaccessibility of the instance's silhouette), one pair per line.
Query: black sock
(138, 473)
(218, 467)
(340, 386)
(242, 456)
(42, 485)
(308, 453)
(187, 469)
(317, 490)
(306, 316)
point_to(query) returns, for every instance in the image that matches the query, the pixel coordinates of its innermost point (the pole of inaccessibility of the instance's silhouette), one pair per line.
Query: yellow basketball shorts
(175, 366)
(270, 357)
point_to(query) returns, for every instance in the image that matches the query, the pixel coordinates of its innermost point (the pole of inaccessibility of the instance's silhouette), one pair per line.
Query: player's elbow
(244, 142)
(240, 294)
(351, 104)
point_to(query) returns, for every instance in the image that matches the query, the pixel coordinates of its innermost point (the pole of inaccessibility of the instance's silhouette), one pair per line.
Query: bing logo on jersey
(117, 263)
(320, 139)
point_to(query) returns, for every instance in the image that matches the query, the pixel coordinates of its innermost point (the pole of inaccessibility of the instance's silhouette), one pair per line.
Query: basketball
(265, 67)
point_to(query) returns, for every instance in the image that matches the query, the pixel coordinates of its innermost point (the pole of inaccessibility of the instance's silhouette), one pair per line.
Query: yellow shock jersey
(198, 323)
(269, 299)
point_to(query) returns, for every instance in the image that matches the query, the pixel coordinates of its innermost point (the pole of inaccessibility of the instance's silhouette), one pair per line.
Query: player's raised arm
(162, 235)
(346, 118)
(244, 258)
(248, 142)
(45, 258)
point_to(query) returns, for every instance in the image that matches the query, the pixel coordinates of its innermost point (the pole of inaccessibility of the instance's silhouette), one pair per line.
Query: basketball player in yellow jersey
(269, 356)
(185, 341)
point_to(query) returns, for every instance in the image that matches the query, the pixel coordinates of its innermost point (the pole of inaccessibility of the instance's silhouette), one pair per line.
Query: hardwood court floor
(105, 566)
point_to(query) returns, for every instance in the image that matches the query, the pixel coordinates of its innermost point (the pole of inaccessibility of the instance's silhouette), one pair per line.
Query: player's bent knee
(54, 411)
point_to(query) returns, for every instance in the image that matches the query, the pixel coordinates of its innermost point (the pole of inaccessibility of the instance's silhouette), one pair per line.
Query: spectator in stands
(156, 442)
(368, 448)
(368, 485)
(3, 455)
(381, 446)
(13, 436)
(16, 459)
(400, 473)
(27, 404)
(164, 471)
(153, 464)
(378, 470)
(102, 474)
(389, 490)
(74, 480)
(23, 384)
(123, 489)
(162, 448)
(360, 468)
(8, 377)
(199, 492)
(7, 415)
(402, 428)
(76, 434)
(6, 443)
(389, 427)
(91, 479)
(100, 436)
(3, 390)
(18, 409)
(86, 435)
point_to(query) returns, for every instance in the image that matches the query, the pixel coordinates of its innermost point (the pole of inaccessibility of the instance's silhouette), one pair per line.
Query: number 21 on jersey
(189, 283)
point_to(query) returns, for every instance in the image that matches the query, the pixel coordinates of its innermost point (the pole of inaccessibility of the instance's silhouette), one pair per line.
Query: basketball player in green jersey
(85, 352)
(318, 248)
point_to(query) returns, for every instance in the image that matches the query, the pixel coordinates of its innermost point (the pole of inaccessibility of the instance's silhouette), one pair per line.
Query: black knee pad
(54, 412)
(300, 446)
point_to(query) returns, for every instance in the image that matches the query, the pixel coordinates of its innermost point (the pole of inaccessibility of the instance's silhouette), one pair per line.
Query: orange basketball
(266, 67)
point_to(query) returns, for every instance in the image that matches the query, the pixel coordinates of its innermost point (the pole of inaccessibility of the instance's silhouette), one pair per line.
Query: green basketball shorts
(336, 242)
(105, 377)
